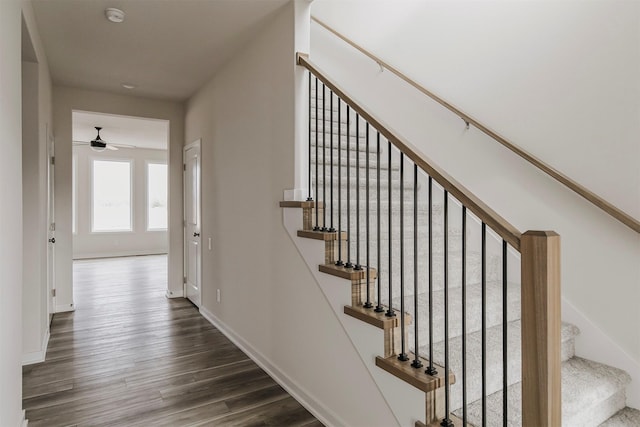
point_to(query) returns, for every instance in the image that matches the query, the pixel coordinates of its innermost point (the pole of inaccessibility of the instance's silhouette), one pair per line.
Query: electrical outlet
(209, 243)
(218, 295)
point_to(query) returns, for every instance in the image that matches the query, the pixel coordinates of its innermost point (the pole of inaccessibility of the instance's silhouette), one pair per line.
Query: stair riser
(342, 183)
(351, 162)
(342, 133)
(599, 413)
(354, 149)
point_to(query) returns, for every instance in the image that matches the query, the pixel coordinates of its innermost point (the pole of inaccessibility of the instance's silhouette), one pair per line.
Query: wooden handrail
(501, 226)
(612, 210)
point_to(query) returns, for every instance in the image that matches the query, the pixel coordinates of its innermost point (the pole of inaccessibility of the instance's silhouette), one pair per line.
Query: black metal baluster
(368, 303)
(416, 361)
(484, 324)
(324, 160)
(446, 422)
(309, 197)
(348, 264)
(390, 312)
(331, 229)
(379, 308)
(504, 333)
(403, 354)
(316, 227)
(340, 241)
(464, 315)
(431, 370)
(357, 266)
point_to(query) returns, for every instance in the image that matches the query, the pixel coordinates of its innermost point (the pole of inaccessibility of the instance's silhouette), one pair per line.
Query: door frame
(195, 143)
(51, 223)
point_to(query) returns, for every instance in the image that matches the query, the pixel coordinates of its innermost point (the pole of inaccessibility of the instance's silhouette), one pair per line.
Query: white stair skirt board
(406, 403)
(25, 421)
(37, 356)
(321, 412)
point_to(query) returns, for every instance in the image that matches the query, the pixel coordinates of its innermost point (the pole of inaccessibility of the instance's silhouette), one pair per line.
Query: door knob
(52, 240)
(196, 234)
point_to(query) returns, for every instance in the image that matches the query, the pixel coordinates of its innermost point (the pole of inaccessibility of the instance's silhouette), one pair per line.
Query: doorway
(120, 190)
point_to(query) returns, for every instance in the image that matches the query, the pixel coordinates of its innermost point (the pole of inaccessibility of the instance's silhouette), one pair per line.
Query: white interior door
(51, 224)
(192, 238)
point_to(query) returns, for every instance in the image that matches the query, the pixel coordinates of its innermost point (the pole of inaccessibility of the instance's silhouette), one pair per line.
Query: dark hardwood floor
(128, 356)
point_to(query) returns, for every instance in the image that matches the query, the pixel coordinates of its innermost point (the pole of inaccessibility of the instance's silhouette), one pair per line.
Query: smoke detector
(114, 15)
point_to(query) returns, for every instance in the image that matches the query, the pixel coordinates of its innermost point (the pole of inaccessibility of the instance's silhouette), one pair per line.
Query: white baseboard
(64, 308)
(118, 254)
(321, 412)
(37, 356)
(24, 421)
(174, 294)
(592, 343)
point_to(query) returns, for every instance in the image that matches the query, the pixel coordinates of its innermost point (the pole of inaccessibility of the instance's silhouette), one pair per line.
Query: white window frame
(92, 160)
(74, 195)
(146, 194)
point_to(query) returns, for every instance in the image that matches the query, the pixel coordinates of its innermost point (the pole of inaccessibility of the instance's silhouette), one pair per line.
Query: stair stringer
(406, 403)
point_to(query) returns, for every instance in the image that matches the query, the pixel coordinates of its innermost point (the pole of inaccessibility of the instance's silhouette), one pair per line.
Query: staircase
(475, 323)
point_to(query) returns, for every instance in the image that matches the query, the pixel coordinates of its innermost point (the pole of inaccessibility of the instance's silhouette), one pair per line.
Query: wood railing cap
(540, 233)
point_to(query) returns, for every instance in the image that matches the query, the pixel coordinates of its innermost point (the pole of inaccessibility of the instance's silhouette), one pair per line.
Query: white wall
(560, 79)
(139, 241)
(37, 119)
(10, 216)
(67, 99)
(246, 118)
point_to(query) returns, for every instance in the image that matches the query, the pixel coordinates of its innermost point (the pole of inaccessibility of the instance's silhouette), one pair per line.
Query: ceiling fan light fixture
(114, 15)
(98, 144)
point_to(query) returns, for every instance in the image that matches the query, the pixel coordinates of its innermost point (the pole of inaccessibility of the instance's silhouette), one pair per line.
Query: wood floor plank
(128, 356)
(284, 412)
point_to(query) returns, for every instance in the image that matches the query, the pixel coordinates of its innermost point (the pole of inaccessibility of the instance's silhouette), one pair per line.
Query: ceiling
(120, 130)
(167, 48)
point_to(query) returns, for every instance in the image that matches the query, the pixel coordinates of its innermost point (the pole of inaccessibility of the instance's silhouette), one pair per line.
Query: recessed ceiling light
(128, 86)
(114, 15)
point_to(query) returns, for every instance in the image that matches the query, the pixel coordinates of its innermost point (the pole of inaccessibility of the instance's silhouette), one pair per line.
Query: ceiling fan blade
(112, 148)
(123, 145)
(81, 142)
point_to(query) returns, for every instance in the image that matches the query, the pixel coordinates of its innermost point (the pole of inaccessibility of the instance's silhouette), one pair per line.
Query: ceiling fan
(99, 144)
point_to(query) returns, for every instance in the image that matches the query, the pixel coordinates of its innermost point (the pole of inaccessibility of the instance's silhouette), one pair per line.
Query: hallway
(128, 356)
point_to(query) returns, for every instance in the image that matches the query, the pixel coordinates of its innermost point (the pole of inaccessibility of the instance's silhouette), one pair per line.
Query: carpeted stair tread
(626, 417)
(591, 393)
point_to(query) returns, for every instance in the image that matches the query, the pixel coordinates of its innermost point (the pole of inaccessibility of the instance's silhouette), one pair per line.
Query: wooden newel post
(541, 328)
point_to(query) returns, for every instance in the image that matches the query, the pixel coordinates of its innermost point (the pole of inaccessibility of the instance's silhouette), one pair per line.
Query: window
(111, 196)
(156, 196)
